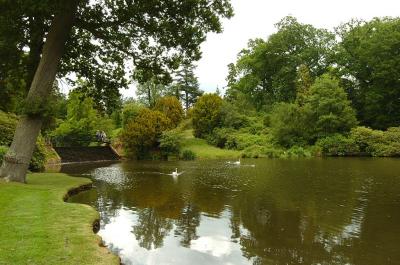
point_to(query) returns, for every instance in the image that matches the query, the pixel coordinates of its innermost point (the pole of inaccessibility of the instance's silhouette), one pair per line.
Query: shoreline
(39, 226)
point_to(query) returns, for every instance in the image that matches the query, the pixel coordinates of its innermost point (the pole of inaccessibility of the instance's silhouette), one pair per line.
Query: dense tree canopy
(369, 61)
(266, 72)
(151, 36)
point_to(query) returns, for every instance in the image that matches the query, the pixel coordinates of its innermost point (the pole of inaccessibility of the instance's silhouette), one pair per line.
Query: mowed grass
(38, 227)
(203, 150)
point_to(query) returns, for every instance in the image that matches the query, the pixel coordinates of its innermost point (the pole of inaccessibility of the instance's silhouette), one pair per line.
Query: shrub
(8, 123)
(206, 115)
(376, 142)
(220, 136)
(82, 122)
(3, 151)
(170, 143)
(188, 155)
(240, 141)
(337, 145)
(39, 156)
(298, 151)
(172, 109)
(258, 151)
(143, 133)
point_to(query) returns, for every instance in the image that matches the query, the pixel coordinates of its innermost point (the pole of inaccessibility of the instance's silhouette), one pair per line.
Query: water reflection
(316, 211)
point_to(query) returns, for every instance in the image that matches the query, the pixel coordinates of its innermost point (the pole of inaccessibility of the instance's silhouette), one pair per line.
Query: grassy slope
(37, 227)
(202, 149)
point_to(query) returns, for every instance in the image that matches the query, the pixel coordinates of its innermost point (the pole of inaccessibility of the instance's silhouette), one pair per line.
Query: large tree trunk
(16, 161)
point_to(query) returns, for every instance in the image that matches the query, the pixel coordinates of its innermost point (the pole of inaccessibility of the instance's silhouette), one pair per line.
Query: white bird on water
(176, 173)
(237, 162)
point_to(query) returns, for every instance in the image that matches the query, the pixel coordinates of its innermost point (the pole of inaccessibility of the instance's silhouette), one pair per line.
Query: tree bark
(16, 161)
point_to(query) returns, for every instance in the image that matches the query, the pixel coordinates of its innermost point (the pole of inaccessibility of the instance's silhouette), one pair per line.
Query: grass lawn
(203, 150)
(38, 227)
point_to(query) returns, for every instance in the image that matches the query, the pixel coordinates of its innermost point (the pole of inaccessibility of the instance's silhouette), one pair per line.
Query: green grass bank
(38, 227)
(203, 150)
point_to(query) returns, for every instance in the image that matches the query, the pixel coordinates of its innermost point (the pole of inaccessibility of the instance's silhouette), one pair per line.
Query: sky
(256, 19)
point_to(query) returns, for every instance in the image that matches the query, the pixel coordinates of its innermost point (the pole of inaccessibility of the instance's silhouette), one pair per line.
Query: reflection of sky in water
(315, 211)
(213, 245)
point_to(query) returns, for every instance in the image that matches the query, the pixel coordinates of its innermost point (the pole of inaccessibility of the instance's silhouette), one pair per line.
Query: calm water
(315, 211)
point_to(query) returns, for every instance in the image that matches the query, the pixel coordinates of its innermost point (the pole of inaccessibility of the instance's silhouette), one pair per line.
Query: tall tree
(368, 61)
(149, 92)
(187, 85)
(16, 161)
(154, 35)
(266, 71)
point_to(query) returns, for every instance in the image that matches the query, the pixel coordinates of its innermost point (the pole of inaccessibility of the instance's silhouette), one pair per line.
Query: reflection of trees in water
(151, 228)
(281, 219)
(294, 220)
(187, 225)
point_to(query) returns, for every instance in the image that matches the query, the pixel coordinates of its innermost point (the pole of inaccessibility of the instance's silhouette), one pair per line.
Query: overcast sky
(256, 19)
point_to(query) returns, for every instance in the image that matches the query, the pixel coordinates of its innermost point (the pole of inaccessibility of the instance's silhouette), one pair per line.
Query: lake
(266, 211)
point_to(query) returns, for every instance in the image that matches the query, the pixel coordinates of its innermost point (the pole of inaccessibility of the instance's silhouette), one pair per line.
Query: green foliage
(170, 143)
(206, 115)
(149, 92)
(338, 145)
(172, 109)
(156, 37)
(143, 133)
(188, 155)
(240, 141)
(376, 142)
(368, 63)
(186, 86)
(39, 157)
(3, 151)
(231, 117)
(266, 72)
(81, 124)
(326, 111)
(8, 123)
(130, 111)
(298, 151)
(289, 125)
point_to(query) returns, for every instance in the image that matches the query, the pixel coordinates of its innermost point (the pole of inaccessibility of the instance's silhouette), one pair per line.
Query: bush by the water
(188, 155)
(337, 145)
(142, 134)
(170, 143)
(377, 142)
